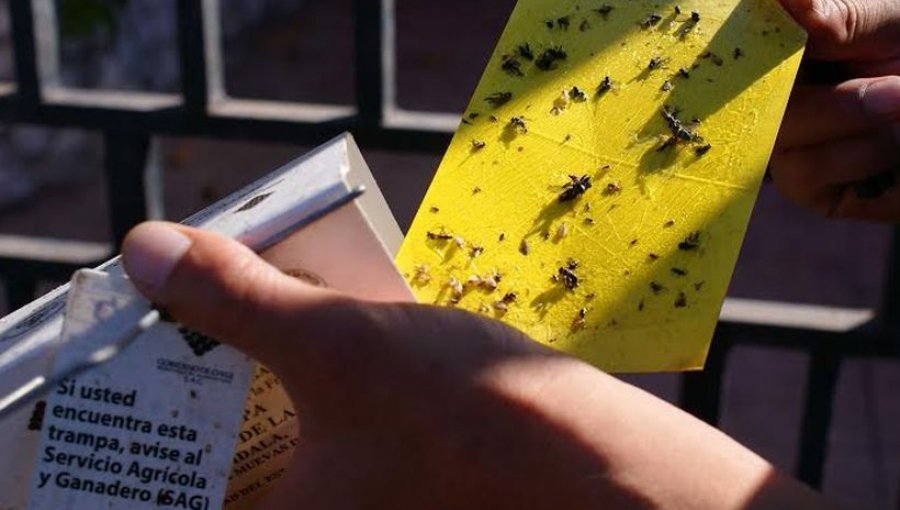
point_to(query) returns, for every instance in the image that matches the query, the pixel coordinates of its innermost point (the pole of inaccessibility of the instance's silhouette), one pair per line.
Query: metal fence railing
(129, 121)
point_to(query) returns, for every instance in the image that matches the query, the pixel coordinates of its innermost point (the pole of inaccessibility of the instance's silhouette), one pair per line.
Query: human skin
(406, 406)
(842, 126)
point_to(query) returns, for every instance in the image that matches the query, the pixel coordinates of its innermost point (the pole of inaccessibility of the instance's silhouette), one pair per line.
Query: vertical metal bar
(192, 56)
(897, 504)
(46, 32)
(125, 168)
(154, 185)
(701, 392)
(25, 47)
(212, 47)
(20, 290)
(821, 381)
(890, 312)
(373, 18)
(34, 31)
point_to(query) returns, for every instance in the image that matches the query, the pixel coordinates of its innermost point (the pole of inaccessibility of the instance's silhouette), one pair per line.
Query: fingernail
(882, 97)
(150, 253)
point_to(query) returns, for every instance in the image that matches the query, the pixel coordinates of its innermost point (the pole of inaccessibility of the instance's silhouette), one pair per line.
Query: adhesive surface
(598, 190)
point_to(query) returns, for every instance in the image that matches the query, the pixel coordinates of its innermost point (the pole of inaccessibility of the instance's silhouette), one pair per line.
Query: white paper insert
(153, 428)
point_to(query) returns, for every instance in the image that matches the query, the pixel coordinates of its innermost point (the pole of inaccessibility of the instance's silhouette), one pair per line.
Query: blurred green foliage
(83, 18)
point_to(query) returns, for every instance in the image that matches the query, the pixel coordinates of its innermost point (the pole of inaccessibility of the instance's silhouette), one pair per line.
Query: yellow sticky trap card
(598, 190)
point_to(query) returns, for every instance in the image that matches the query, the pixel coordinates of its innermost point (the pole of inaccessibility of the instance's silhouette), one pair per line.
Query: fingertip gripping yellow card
(597, 192)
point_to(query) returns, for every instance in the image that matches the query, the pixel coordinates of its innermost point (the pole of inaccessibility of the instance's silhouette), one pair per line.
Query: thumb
(863, 30)
(218, 286)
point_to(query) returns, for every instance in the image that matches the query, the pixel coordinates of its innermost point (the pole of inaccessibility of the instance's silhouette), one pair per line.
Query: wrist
(632, 450)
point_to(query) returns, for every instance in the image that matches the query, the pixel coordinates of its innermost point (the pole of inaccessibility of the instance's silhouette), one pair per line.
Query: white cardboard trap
(164, 424)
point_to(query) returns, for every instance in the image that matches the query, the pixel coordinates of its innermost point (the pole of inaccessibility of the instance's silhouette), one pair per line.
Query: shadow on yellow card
(598, 190)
